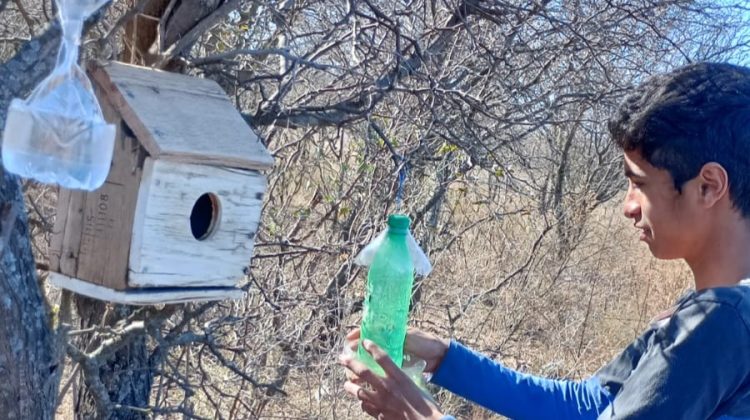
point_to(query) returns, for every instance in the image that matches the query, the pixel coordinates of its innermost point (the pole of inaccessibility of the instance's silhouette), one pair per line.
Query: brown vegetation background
(497, 111)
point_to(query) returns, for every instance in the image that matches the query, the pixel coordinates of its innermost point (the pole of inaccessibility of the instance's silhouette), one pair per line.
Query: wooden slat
(128, 75)
(144, 297)
(58, 231)
(180, 278)
(164, 251)
(108, 220)
(185, 118)
(72, 229)
(98, 224)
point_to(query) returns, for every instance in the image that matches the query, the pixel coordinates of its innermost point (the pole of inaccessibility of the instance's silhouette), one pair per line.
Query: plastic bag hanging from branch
(58, 134)
(393, 258)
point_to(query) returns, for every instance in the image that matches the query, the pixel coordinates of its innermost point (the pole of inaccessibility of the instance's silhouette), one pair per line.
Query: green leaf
(446, 148)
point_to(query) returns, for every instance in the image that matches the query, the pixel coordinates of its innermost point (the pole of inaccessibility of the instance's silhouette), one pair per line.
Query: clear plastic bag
(58, 134)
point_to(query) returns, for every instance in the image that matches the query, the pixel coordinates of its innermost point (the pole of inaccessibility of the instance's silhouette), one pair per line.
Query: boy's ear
(713, 182)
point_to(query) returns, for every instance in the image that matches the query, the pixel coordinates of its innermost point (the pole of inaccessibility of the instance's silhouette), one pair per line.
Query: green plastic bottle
(389, 286)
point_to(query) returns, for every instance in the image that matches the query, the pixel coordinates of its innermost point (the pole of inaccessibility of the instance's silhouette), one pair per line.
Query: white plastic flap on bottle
(422, 265)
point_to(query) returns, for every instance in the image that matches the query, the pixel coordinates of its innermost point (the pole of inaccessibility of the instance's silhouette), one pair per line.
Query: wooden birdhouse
(176, 218)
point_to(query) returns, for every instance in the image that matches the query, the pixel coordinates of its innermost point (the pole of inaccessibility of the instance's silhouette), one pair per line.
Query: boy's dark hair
(682, 120)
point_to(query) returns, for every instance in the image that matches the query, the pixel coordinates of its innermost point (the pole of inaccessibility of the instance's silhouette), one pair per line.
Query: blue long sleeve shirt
(693, 365)
(518, 395)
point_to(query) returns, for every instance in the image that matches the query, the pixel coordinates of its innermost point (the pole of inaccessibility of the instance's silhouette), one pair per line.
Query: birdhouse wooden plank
(147, 296)
(183, 118)
(224, 207)
(176, 218)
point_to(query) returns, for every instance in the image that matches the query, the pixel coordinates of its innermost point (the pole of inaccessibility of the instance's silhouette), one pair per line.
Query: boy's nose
(631, 209)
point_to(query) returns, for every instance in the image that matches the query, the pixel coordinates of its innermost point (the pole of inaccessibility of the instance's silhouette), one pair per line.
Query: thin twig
(284, 52)
(26, 17)
(231, 366)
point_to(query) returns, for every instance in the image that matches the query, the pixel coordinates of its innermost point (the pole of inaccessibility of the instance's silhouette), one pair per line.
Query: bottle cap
(399, 222)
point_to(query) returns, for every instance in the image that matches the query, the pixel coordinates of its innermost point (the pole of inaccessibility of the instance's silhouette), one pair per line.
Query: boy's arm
(514, 394)
(693, 364)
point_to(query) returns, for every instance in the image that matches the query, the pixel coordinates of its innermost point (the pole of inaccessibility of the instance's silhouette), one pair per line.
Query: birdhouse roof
(181, 118)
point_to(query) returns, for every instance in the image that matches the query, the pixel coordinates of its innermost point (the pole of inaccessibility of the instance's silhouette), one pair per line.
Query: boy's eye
(635, 184)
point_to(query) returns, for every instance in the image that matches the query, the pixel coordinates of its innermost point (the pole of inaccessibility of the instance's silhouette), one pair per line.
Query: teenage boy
(686, 143)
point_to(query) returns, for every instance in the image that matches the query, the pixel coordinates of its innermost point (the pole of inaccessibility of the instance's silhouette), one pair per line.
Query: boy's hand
(394, 396)
(418, 343)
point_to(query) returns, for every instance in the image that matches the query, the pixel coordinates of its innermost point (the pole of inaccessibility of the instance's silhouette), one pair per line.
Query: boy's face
(669, 221)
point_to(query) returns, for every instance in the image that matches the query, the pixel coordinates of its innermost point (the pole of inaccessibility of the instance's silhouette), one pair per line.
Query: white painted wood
(143, 297)
(163, 250)
(186, 118)
(163, 279)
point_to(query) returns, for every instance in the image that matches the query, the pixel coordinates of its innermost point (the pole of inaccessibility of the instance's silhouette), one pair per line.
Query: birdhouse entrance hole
(205, 216)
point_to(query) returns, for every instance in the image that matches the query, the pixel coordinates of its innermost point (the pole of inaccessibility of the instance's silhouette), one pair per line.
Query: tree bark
(126, 377)
(29, 362)
(28, 67)
(29, 357)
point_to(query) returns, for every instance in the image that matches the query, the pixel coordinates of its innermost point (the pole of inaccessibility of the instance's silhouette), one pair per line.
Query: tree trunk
(29, 362)
(29, 359)
(126, 376)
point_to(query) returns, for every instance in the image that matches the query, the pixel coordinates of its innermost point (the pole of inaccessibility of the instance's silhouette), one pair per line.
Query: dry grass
(562, 318)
